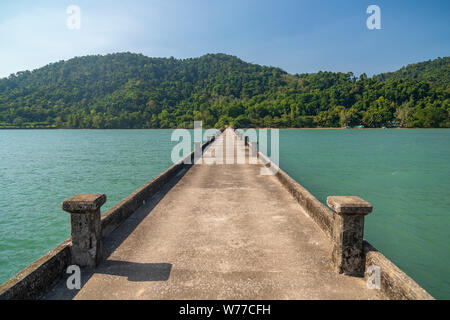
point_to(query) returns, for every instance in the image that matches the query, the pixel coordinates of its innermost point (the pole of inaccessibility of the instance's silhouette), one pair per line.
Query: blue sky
(296, 35)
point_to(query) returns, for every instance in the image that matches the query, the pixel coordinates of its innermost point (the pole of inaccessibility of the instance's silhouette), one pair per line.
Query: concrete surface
(218, 232)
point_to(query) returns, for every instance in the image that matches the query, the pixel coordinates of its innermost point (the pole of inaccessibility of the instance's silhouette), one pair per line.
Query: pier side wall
(40, 276)
(396, 284)
(320, 213)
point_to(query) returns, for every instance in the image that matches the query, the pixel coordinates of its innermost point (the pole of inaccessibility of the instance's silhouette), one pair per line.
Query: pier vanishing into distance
(217, 231)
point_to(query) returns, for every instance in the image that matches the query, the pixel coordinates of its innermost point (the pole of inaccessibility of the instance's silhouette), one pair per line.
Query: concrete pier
(217, 229)
(219, 232)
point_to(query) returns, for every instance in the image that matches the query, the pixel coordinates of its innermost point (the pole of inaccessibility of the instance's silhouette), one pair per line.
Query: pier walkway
(218, 232)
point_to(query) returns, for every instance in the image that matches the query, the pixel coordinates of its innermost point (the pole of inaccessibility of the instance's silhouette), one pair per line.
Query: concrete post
(86, 229)
(253, 152)
(348, 233)
(198, 151)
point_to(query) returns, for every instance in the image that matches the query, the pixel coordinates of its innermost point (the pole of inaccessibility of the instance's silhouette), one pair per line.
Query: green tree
(404, 114)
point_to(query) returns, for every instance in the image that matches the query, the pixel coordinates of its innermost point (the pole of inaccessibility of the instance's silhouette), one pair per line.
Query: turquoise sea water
(41, 168)
(403, 173)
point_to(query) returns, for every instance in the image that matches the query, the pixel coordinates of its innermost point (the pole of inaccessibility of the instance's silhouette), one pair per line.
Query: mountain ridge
(436, 71)
(127, 90)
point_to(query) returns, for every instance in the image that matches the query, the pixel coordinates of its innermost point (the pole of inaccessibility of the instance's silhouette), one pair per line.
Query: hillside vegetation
(435, 71)
(128, 90)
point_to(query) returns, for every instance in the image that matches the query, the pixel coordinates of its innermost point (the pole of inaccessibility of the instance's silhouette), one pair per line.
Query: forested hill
(128, 90)
(434, 71)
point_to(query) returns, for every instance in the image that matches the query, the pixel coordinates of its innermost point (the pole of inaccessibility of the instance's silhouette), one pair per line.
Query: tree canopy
(126, 90)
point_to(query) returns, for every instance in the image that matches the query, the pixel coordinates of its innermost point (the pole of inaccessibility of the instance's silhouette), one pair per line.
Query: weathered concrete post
(198, 151)
(253, 150)
(86, 229)
(348, 233)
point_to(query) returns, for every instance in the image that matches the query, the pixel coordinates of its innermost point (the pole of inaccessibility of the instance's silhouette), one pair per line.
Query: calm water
(41, 168)
(403, 173)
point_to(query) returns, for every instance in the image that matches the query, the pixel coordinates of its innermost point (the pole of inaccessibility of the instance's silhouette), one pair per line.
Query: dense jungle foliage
(128, 90)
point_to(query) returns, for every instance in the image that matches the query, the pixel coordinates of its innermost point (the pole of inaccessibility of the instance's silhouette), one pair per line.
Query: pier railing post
(348, 233)
(253, 152)
(86, 229)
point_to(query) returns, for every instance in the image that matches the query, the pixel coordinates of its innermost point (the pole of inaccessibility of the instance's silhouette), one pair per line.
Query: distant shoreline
(324, 128)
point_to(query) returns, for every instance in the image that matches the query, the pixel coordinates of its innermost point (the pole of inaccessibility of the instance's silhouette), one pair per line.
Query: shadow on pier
(136, 272)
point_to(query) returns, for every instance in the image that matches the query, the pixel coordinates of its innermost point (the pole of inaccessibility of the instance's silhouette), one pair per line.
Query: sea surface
(405, 174)
(41, 168)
